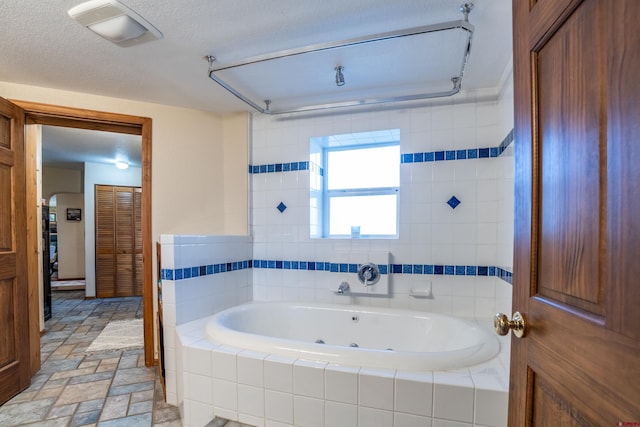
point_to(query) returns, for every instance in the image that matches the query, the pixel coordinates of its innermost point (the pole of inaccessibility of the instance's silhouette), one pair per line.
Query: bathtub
(260, 364)
(354, 335)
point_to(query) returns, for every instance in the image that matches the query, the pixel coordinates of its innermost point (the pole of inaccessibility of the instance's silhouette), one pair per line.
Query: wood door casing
(577, 231)
(118, 241)
(56, 115)
(15, 370)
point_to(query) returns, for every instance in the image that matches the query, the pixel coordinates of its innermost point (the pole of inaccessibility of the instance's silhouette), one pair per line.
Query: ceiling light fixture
(115, 22)
(339, 75)
(120, 164)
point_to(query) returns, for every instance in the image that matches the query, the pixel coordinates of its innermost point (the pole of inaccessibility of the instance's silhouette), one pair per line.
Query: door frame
(54, 115)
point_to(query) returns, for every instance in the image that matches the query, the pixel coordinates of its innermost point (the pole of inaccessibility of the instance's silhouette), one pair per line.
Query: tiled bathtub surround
(265, 390)
(219, 278)
(449, 149)
(474, 238)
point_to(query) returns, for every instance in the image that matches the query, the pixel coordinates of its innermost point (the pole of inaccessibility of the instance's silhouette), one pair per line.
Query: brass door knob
(518, 325)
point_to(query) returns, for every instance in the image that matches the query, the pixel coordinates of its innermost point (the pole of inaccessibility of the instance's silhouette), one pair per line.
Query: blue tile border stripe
(285, 167)
(334, 267)
(425, 157)
(447, 155)
(204, 270)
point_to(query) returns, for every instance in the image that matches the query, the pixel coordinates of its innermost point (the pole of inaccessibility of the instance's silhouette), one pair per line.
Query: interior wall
(188, 170)
(71, 248)
(61, 180)
(187, 157)
(95, 174)
(235, 136)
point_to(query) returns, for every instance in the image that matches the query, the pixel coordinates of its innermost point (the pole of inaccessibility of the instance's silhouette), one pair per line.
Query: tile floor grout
(74, 388)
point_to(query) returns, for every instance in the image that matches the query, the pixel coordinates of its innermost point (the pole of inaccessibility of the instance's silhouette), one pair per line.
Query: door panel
(568, 103)
(14, 323)
(118, 241)
(105, 242)
(5, 206)
(577, 232)
(623, 172)
(7, 343)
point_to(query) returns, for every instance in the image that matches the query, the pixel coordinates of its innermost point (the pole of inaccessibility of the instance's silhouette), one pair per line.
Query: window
(354, 191)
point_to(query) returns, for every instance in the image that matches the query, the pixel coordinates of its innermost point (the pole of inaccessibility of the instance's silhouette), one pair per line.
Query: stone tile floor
(74, 388)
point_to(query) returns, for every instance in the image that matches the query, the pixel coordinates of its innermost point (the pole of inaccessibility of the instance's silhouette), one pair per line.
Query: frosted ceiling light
(122, 165)
(115, 22)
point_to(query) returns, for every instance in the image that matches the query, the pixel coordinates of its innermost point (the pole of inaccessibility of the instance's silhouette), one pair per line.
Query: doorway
(52, 115)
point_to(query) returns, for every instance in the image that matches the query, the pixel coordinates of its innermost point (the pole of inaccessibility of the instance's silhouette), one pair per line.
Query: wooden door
(15, 372)
(577, 232)
(118, 241)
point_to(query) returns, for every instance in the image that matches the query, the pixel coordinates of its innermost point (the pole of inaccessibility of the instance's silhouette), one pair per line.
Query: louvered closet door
(137, 222)
(105, 242)
(118, 241)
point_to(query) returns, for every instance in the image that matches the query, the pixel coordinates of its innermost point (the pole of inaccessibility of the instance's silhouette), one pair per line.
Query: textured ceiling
(43, 46)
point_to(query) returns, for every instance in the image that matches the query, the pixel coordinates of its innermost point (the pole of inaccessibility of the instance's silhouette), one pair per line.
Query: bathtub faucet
(368, 274)
(343, 288)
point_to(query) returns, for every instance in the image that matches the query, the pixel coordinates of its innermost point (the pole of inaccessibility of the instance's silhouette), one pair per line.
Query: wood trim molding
(55, 115)
(31, 136)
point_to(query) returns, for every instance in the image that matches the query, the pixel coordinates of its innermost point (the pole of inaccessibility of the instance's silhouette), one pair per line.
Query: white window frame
(327, 194)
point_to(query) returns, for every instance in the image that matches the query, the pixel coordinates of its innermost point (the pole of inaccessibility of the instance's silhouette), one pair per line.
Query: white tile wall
(340, 414)
(278, 406)
(251, 400)
(194, 298)
(341, 384)
(371, 417)
(407, 420)
(278, 373)
(376, 388)
(414, 393)
(475, 233)
(308, 378)
(308, 412)
(453, 397)
(251, 368)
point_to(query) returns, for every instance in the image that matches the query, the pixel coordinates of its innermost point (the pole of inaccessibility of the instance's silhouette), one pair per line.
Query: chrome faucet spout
(343, 288)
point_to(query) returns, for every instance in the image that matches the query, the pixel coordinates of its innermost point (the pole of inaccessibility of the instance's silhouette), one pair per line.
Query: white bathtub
(385, 338)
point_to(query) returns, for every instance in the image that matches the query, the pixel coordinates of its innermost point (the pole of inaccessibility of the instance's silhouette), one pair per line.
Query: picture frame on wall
(74, 214)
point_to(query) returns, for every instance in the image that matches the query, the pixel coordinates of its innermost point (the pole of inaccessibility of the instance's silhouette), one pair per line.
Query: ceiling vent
(115, 22)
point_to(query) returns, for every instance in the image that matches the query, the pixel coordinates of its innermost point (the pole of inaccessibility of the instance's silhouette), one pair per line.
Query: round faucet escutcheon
(368, 274)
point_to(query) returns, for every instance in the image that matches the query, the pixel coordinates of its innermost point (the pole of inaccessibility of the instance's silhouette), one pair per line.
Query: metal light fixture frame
(462, 24)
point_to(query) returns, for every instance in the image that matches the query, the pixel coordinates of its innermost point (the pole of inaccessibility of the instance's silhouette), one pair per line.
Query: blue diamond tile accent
(281, 207)
(453, 202)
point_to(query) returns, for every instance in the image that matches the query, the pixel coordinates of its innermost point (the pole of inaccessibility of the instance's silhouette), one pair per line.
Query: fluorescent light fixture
(115, 22)
(122, 164)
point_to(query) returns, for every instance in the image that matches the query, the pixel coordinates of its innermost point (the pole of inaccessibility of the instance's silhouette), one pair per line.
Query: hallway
(75, 388)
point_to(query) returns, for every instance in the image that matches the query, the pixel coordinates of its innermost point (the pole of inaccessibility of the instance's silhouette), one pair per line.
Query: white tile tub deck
(265, 390)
